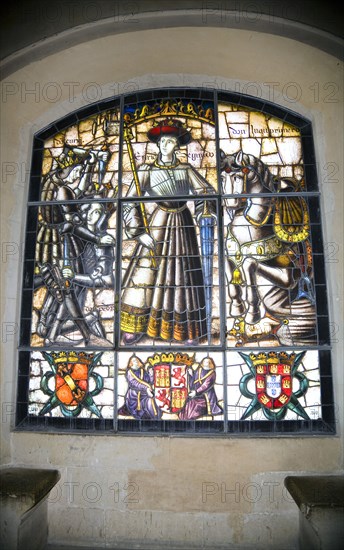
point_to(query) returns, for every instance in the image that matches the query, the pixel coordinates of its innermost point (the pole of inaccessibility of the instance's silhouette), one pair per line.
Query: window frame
(215, 428)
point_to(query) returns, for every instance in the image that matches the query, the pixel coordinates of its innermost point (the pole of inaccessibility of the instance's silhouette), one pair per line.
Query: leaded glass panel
(174, 272)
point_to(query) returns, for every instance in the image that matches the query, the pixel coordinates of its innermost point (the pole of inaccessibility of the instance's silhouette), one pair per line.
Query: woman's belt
(171, 209)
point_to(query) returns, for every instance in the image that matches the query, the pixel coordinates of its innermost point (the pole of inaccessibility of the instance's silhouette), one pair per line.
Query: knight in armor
(75, 236)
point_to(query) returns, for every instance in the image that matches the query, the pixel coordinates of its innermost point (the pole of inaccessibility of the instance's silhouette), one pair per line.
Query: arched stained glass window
(174, 271)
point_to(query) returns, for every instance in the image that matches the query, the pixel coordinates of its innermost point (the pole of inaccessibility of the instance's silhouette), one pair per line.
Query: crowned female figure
(202, 399)
(164, 294)
(139, 399)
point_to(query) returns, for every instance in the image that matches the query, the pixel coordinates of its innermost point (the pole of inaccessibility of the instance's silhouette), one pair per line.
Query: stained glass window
(174, 275)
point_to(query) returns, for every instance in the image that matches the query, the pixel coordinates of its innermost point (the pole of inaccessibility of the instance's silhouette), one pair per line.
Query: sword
(66, 262)
(305, 286)
(207, 227)
(102, 157)
(70, 298)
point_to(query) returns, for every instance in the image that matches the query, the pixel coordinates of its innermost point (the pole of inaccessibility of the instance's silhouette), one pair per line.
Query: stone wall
(164, 491)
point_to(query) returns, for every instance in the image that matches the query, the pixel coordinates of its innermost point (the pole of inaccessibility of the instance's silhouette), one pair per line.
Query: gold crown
(161, 358)
(185, 358)
(272, 358)
(286, 359)
(68, 159)
(72, 357)
(171, 358)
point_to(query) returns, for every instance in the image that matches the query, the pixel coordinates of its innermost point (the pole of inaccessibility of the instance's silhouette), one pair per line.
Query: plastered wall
(161, 492)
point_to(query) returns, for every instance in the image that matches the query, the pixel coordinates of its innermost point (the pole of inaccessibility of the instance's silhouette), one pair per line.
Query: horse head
(244, 174)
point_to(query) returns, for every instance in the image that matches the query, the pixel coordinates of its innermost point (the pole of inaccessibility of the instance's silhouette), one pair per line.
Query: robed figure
(164, 291)
(202, 399)
(139, 399)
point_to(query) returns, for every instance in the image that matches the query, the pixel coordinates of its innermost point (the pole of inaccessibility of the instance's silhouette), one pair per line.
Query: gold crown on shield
(272, 358)
(72, 357)
(161, 358)
(167, 358)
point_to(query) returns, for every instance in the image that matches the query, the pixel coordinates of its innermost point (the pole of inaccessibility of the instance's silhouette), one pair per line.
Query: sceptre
(127, 136)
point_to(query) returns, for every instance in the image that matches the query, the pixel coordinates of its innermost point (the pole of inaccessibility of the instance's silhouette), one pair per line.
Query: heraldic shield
(171, 380)
(274, 375)
(71, 380)
(71, 372)
(273, 383)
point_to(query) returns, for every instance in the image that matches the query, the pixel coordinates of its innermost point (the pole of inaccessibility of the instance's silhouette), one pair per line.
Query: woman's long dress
(205, 401)
(166, 301)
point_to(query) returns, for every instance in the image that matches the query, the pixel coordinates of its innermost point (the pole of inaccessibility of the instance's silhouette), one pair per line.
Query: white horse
(269, 259)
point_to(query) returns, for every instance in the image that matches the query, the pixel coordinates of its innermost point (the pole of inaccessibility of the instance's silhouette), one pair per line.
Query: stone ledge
(31, 483)
(24, 507)
(320, 499)
(316, 491)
